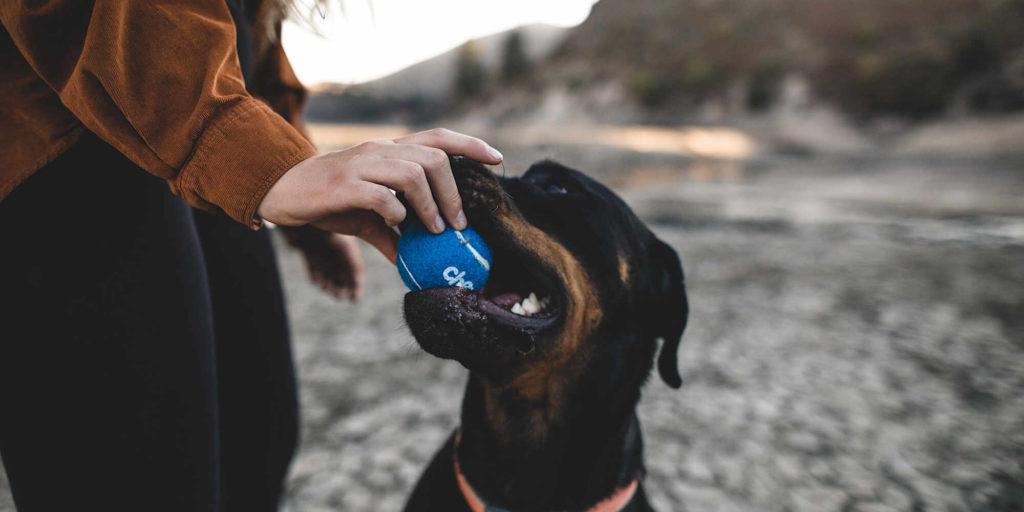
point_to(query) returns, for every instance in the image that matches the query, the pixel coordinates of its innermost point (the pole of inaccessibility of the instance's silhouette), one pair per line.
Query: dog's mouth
(520, 295)
(521, 291)
(522, 300)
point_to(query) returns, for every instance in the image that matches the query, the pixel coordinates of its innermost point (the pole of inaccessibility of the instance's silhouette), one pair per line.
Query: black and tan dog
(548, 417)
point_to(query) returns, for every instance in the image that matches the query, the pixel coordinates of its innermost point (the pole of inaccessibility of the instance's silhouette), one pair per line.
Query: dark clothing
(144, 357)
(257, 399)
(243, 38)
(144, 362)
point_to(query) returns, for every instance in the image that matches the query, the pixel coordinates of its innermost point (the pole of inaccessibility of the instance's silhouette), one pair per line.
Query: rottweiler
(558, 344)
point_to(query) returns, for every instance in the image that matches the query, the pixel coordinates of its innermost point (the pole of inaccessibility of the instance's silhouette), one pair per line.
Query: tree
(514, 62)
(470, 74)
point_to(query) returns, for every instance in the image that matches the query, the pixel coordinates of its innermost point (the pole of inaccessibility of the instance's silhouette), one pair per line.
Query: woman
(144, 358)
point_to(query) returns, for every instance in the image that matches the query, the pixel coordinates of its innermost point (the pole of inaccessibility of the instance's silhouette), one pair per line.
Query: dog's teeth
(530, 304)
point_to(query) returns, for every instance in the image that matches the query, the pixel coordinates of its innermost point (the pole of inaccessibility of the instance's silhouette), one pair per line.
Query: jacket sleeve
(160, 81)
(273, 79)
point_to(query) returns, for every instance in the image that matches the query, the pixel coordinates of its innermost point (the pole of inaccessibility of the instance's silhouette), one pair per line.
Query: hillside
(425, 89)
(433, 78)
(673, 61)
(656, 59)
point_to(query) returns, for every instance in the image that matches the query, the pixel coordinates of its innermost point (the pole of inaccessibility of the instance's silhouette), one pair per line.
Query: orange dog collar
(613, 503)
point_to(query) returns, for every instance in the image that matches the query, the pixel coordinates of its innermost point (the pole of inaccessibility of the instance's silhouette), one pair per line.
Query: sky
(374, 38)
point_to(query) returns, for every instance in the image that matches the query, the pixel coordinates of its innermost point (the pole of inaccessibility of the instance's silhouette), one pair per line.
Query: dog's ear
(671, 310)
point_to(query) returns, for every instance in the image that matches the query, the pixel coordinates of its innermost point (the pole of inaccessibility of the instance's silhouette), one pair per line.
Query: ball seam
(479, 258)
(409, 272)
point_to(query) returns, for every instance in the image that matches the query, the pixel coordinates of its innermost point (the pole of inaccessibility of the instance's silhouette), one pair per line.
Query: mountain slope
(908, 57)
(432, 78)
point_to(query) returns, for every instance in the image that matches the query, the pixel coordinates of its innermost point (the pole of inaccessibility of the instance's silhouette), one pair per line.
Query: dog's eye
(554, 188)
(549, 184)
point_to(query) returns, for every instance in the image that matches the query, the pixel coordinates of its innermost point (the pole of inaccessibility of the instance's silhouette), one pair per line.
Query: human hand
(349, 191)
(334, 261)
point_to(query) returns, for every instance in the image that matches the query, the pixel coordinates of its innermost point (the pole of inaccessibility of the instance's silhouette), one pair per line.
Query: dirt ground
(856, 342)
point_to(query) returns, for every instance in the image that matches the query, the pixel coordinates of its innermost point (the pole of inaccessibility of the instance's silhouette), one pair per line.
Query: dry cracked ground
(856, 343)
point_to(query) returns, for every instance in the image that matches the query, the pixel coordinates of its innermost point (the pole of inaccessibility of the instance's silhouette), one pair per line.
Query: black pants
(144, 353)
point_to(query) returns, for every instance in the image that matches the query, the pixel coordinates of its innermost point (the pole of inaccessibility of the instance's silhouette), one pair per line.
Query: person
(144, 353)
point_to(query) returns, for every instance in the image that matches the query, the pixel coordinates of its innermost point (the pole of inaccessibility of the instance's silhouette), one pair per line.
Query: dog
(548, 416)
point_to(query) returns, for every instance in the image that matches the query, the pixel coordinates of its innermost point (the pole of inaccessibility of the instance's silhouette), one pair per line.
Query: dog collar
(614, 503)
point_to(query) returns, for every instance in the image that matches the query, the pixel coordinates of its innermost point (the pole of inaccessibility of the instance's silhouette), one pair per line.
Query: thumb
(382, 238)
(367, 225)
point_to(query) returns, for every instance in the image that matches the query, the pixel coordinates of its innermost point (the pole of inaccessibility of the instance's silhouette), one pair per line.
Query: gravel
(856, 344)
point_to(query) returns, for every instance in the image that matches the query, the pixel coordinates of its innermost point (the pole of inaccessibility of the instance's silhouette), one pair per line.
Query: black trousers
(144, 353)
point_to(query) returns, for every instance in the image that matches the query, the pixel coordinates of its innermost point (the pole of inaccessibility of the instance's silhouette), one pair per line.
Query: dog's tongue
(507, 300)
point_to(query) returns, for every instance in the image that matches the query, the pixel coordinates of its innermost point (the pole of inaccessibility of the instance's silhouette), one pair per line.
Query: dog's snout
(478, 187)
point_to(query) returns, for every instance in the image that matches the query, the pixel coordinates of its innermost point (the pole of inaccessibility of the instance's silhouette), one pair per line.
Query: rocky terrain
(855, 345)
(856, 340)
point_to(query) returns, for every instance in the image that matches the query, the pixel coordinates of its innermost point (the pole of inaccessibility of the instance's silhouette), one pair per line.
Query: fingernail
(438, 224)
(494, 153)
(460, 221)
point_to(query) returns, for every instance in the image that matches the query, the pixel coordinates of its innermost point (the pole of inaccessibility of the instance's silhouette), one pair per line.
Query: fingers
(377, 198)
(358, 284)
(454, 143)
(382, 238)
(349, 250)
(349, 273)
(410, 177)
(320, 275)
(424, 174)
(418, 165)
(366, 225)
(329, 184)
(431, 148)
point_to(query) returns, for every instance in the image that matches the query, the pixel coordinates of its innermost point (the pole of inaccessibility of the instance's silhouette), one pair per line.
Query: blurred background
(843, 180)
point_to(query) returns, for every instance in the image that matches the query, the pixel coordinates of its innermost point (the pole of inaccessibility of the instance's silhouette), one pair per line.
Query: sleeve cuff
(240, 154)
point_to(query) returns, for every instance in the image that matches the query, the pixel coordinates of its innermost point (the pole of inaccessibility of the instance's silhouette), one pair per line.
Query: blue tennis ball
(452, 258)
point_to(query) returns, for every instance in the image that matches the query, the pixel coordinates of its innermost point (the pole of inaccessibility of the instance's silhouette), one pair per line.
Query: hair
(301, 9)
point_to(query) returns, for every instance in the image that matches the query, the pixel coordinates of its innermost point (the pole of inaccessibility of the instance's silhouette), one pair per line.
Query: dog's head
(606, 288)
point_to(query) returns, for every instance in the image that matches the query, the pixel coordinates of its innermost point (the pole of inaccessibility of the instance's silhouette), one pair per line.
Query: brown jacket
(159, 81)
